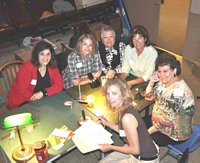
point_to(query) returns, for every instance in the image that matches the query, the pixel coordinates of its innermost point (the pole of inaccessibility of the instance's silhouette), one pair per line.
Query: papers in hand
(88, 137)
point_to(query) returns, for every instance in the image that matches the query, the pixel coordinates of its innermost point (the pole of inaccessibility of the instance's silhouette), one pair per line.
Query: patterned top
(112, 58)
(77, 67)
(173, 110)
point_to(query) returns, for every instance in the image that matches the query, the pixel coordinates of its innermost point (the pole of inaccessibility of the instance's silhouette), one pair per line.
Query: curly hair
(142, 31)
(40, 46)
(124, 89)
(170, 60)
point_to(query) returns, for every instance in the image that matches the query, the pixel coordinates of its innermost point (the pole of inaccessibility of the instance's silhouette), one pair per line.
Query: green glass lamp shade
(18, 120)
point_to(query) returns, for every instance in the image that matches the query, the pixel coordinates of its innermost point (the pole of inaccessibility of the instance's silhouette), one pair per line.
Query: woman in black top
(131, 127)
(111, 52)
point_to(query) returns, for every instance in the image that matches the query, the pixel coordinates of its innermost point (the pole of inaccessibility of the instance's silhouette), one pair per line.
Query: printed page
(88, 137)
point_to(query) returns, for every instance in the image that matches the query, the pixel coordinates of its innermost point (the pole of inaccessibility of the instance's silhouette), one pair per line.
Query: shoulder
(29, 65)
(128, 49)
(128, 119)
(152, 51)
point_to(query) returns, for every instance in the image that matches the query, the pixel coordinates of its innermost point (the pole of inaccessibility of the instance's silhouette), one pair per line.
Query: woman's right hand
(154, 78)
(103, 120)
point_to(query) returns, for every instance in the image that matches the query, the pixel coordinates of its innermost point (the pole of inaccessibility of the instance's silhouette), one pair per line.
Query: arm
(131, 135)
(105, 122)
(125, 64)
(135, 81)
(24, 78)
(56, 82)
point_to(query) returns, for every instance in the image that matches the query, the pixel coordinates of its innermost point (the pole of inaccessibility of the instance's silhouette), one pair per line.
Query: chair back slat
(8, 73)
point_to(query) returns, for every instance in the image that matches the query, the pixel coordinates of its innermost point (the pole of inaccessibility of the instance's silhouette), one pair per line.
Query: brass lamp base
(25, 153)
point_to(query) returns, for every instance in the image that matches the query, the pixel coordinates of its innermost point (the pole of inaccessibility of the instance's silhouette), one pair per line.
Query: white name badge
(79, 65)
(122, 133)
(33, 82)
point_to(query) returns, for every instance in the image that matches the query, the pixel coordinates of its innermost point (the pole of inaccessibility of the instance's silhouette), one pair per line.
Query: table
(50, 113)
(100, 106)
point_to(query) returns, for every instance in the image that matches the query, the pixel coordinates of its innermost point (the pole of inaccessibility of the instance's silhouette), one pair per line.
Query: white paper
(88, 137)
(60, 133)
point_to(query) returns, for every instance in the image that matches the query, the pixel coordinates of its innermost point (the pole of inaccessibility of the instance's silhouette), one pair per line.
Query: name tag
(79, 65)
(33, 82)
(122, 133)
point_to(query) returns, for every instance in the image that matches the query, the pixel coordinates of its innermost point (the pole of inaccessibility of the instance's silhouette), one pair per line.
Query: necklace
(42, 70)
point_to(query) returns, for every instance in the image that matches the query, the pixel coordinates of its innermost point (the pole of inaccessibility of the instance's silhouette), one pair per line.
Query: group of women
(171, 119)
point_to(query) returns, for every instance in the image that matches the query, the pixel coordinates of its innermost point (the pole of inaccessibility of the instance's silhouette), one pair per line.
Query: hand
(154, 78)
(130, 84)
(110, 74)
(105, 147)
(103, 120)
(37, 96)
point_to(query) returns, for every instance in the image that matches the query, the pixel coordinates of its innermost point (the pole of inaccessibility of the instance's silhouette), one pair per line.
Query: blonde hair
(80, 40)
(124, 89)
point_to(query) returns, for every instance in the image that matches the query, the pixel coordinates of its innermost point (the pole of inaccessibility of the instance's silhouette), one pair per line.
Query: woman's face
(138, 42)
(108, 39)
(86, 47)
(44, 57)
(165, 74)
(114, 96)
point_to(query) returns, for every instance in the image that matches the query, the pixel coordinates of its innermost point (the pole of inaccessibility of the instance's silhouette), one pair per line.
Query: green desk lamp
(25, 151)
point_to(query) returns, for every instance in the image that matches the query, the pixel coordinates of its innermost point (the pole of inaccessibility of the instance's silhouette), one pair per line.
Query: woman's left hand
(105, 147)
(37, 96)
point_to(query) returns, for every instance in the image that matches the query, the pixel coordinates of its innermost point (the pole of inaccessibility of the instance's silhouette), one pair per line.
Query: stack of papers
(88, 137)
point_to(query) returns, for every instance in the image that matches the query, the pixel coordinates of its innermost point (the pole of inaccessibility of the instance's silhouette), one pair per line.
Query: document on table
(88, 137)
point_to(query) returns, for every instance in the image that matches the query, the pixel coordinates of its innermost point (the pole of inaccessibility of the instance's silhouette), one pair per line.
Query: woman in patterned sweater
(174, 103)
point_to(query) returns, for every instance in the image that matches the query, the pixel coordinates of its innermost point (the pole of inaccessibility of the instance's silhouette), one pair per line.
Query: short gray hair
(107, 28)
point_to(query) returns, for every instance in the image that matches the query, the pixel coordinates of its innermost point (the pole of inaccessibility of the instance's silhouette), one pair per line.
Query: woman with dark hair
(131, 127)
(171, 120)
(140, 56)
(111, 52)
(82, 61)
(36, 78)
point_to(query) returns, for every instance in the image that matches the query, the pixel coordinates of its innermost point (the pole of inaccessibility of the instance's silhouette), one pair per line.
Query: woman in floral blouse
(174, 103)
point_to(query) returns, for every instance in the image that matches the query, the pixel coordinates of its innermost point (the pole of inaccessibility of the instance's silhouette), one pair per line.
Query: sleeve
(103, 67)
(24, 77)
(125, 63)
(150, 67)
(97, 65)
(56, 82)
(122, 46)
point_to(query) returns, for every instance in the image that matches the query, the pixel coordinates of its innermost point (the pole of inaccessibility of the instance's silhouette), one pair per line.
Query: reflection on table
(50, 113)
(100, 106)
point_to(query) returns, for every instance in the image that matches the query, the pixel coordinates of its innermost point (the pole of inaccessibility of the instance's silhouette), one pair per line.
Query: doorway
(173, 25)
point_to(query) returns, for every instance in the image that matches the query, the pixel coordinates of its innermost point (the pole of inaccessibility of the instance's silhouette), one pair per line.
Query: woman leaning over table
(36, 78)
(82, 61)
(131, 127)
(139, 57)
(174, 103)
(111, 52)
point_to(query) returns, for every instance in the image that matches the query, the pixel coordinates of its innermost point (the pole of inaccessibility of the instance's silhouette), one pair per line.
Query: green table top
(50, 113)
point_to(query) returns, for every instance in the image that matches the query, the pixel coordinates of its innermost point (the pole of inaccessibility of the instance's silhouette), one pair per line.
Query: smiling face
(166, 74)
(139, 42)
(108, 39)
(44, 57)
(114, 96)
(86, 47)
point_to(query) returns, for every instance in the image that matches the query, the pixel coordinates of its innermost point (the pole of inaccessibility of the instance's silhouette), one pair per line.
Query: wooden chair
(8, 71)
